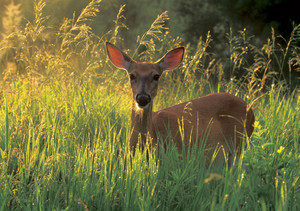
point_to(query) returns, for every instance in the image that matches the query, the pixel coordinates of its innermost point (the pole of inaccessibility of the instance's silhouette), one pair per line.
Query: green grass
(64, 119)
(64, 147)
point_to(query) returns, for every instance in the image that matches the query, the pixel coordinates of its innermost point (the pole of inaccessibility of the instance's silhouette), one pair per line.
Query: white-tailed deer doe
(219, 119)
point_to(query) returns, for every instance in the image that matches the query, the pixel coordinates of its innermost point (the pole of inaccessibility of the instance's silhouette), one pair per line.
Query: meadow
(64, 119)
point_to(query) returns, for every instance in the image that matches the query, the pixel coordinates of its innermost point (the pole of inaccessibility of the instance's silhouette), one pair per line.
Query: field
(64, 119)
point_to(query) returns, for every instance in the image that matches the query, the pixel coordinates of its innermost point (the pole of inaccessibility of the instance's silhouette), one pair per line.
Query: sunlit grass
(65, 116)
(65, 147)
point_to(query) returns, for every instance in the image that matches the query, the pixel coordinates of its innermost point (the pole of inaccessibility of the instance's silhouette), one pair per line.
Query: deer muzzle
(143, 100)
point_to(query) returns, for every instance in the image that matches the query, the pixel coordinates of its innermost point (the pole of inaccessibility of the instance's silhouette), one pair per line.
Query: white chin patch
(142, 107)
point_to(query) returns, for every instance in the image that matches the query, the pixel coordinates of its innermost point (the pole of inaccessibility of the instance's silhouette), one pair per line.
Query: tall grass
(65, 116)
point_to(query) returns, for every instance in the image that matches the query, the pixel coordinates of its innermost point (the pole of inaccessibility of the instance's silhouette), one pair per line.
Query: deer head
(144, 76)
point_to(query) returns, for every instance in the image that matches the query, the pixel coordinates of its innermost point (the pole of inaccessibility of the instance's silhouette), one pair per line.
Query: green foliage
(65, 116)
(64, 147)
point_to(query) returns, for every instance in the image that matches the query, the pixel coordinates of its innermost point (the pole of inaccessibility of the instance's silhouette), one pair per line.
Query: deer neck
(140, 125)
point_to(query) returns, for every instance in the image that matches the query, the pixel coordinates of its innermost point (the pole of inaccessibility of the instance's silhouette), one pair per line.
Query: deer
(221, 119)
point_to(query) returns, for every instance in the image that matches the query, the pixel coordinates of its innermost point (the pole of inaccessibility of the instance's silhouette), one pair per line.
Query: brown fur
(219, 119)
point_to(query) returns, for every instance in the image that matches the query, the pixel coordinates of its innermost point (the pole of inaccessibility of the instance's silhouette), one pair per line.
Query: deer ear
(118, 57)
(172, 59)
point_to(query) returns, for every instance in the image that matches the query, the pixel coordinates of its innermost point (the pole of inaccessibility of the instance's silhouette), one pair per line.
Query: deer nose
(143, 99)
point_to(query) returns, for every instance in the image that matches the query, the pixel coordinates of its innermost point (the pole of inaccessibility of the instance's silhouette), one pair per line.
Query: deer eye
(132, 76)
(156, 77)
